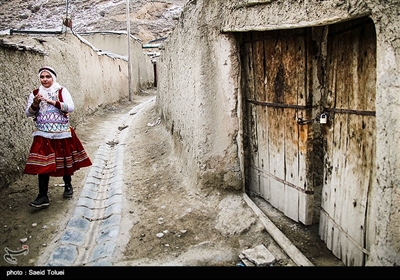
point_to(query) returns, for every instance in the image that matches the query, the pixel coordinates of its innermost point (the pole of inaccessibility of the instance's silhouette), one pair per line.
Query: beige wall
(198, 100)
(116, 43)
(93, 78)
(199, 94)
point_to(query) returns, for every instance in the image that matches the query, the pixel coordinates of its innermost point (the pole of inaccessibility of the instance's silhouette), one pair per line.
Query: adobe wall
(116, 42)
(198, 100)
(199, 94)
(94, 79)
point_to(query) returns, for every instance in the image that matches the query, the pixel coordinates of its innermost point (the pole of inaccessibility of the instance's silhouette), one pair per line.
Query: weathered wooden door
(279, 85)
(349, 162)
(276, 74)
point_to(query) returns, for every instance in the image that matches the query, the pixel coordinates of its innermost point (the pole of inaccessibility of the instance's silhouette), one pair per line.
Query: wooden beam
(278, 236)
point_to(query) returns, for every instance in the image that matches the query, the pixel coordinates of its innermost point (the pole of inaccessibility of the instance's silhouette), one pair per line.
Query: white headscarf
(51, 91)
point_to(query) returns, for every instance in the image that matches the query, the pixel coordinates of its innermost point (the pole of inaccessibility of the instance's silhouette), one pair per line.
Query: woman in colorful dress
(56, 150)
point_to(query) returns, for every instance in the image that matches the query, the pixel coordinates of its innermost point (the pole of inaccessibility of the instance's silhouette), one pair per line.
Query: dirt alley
(200, 228)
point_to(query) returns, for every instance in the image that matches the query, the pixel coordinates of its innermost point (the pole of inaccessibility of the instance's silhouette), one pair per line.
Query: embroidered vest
(53, 120)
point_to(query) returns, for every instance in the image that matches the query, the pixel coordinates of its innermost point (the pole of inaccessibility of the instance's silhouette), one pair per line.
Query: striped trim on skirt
(56, 157)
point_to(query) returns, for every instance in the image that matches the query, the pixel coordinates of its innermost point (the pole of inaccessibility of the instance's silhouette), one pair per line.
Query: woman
(56, 150)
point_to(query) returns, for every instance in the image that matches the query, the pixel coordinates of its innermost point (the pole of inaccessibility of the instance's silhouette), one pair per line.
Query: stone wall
(199, 100)
(93, 78)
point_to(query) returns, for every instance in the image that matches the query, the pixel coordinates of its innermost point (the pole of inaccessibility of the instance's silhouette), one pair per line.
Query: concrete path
(88, 239)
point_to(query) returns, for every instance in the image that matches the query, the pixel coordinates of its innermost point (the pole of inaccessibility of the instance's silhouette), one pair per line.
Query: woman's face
(46, 79)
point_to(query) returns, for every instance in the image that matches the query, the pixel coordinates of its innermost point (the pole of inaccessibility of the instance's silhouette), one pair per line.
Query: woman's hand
(37, 99)
(49, 101)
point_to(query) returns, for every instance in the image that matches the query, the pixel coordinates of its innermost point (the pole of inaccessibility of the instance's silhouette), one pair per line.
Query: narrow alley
(139, 213)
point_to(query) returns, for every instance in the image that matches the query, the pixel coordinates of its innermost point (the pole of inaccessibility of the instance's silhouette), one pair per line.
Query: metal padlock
(323, 119)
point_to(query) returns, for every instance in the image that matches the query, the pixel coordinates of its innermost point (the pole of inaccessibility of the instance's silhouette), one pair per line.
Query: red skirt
(56, 157)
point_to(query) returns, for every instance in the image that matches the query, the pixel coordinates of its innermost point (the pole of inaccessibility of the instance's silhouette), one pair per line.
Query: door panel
(275, 67)
(281, 157)
(350, 140)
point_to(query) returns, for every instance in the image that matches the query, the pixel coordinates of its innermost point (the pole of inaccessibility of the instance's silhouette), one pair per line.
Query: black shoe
(40, 202)
(68, 191)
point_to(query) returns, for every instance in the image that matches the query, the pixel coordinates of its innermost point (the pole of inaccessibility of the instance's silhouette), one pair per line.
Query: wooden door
(276, 93)
(349, 163)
